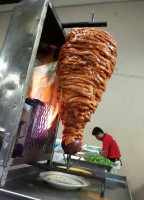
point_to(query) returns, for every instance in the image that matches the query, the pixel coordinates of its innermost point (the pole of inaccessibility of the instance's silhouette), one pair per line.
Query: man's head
(98, 133)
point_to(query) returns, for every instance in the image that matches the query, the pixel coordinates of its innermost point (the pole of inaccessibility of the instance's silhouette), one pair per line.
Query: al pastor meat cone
(86, 62)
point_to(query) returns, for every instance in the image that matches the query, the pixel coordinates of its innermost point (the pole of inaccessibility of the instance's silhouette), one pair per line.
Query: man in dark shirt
(110, 148)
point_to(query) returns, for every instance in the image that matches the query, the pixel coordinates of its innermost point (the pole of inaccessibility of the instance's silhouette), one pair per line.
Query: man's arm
(105, 153)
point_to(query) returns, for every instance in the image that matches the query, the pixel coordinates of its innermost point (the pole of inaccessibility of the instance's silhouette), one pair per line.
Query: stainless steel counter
(26, 181)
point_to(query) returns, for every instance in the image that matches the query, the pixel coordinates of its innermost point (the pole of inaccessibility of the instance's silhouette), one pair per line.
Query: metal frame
(84, 24)
(26, 31)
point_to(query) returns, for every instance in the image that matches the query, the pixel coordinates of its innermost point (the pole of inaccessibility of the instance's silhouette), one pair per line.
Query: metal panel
(25, 181)
(16, 63)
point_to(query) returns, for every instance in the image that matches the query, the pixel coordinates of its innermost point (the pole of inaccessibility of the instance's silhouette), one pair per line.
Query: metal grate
(39, 125)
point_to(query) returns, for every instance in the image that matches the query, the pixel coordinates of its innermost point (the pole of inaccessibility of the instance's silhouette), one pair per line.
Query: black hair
(96, 131)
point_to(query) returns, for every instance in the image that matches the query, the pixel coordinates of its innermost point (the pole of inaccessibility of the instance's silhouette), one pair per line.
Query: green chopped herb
(94, 158)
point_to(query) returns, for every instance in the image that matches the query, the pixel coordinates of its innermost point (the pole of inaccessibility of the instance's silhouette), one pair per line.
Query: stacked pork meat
(86, 62)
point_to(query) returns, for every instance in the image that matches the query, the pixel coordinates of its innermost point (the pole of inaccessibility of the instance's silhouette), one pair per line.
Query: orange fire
(43, 87)
(52, 115)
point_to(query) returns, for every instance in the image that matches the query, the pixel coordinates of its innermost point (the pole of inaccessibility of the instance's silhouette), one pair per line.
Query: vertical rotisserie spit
(86, 62)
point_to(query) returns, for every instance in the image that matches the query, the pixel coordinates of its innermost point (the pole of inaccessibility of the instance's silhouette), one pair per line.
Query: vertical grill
(25, 135)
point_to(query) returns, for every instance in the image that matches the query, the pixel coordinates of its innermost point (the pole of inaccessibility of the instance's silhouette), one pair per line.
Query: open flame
(43, 87)
(52, 115)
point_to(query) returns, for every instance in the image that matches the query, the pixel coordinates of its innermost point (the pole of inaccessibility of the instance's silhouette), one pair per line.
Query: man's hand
(105, 153)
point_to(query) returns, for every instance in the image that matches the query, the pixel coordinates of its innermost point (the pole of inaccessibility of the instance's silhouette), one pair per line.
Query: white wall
(58, 3)
(121, 111)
